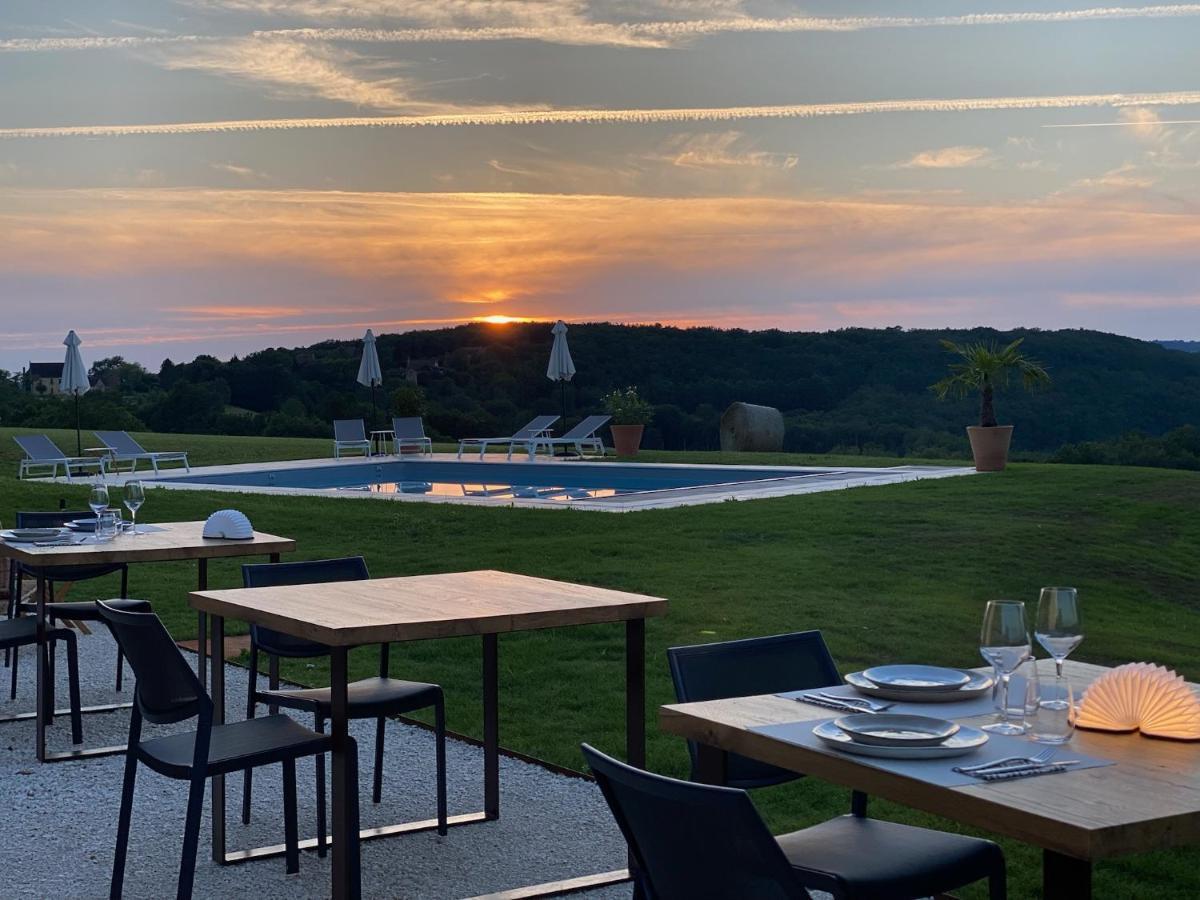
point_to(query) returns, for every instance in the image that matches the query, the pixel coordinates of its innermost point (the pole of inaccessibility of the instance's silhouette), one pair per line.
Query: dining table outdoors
(1132, 794)
(158, 542)
(482, 604)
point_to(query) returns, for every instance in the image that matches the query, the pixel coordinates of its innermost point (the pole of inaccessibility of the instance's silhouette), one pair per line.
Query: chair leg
(998, 881)
(273, 681)
(73, 687)
(291, 839)
(118, 875)
(377, 789)
(191, 836)
(319, 725)
(12, 691)
(248, 775)
(439, 724)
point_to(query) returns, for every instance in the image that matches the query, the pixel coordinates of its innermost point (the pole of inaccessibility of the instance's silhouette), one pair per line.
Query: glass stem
(1005, 677)
(1058, 667)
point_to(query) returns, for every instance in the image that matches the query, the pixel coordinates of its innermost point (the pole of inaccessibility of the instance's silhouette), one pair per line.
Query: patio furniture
(167, 692)
(369, 698)
(350, 434)
(18, 633)
(1149, 800)
(581, 436)
(465, 604)
(410, 432)
(160, 542)
(709, 843)
(74, 611)
(745, 668)
(537, 427)
(123, 448)
(41, 452)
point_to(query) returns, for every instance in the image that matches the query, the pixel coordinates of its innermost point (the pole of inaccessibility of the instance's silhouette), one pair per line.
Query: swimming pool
(545, 483)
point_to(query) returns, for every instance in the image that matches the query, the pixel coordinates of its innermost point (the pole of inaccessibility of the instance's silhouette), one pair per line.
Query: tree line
(854, 390)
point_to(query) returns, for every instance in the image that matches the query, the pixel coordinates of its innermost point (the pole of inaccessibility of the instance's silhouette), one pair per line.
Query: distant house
(45, 378)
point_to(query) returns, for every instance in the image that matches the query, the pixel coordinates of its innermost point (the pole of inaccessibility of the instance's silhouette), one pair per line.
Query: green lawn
(897, 572)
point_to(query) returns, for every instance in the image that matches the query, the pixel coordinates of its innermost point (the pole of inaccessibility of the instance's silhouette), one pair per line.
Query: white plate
(965, 741)
(29, 535)
(979, 684)
(897, 729)
(82, 524)
(916, 678)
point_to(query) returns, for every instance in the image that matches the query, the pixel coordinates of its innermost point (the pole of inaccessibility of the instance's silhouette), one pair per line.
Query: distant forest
(854, 390)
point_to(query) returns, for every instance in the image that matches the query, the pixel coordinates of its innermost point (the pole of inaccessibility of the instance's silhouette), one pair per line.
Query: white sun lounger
(410, 432)
(350, 434)
(123, 448)
(538, 427)
(581, 436)
(41, 452)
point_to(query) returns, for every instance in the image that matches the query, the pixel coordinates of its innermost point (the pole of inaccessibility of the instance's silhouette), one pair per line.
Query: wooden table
(167, 541)
(1149, 800)
(487, 603)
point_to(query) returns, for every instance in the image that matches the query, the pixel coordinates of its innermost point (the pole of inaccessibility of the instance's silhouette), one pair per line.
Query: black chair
(746, 668)
(17, 633)
(702, 842)
(166, 692)
(78, 611)
(370, 698)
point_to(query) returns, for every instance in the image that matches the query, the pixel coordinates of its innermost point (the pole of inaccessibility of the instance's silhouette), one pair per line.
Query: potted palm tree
(630, 413)
(986, 368)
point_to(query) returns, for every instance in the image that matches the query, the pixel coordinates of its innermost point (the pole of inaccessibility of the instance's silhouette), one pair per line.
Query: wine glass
(135, 496)
(1004, 642)
(98, 501)
(1058, 628)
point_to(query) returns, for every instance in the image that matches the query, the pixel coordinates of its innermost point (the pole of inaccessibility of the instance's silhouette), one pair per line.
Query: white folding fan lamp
(228, 525)
(1141, 697)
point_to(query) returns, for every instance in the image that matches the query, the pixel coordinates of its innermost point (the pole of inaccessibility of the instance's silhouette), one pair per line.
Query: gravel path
(60, 819)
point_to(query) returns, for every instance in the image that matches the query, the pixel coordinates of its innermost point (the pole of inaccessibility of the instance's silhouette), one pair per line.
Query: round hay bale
(747, 427)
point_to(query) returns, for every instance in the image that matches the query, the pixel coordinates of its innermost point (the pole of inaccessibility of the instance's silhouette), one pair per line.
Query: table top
(169, 541)
(1149, 799)
(459, 604)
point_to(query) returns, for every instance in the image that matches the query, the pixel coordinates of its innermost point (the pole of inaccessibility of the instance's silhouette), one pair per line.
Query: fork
(869, 704)
(1037, 759)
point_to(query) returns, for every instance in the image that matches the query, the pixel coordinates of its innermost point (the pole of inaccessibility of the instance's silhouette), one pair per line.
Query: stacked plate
(920, 684)
(900, 736)
(30, 535)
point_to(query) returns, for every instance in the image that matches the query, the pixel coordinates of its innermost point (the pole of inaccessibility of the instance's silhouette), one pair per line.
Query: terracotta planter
(989, 446)
(627, 439)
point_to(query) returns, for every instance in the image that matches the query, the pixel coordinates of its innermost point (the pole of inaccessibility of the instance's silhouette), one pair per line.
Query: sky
(217, 176)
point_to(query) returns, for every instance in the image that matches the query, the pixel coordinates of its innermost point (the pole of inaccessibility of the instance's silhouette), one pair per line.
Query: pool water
(535, 481)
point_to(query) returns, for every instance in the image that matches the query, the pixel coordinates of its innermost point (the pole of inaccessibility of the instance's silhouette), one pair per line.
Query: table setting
(929, 721)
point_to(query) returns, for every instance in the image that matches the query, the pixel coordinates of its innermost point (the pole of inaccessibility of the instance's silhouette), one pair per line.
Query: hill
(1185, 346)
(853, 390)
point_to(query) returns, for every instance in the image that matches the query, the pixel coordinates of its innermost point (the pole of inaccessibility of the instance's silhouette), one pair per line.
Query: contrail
(633, 34)
(619, 116)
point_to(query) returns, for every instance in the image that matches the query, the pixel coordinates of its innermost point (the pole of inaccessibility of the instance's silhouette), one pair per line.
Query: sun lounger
(410, 432)
(538, 427)
(581, 436)
(41, 452)
(350, 434)
(123, 448)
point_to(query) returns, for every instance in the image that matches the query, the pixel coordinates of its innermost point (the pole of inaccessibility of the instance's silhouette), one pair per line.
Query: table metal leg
(346, 877)
(217, 692)
(43, 675)
(202, 625)
(491, 726)
(1065, 877)
(635, 692)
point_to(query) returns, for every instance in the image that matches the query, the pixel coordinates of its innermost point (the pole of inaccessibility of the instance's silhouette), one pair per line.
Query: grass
(888, 573)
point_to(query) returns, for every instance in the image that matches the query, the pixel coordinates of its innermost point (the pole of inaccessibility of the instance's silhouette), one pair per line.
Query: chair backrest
(408, 427)
(745, 668)
(38, 446)
(50, 518)
(693, 840)
(586, 428)
(316, 571)
(167, 689)
(535, 427)
(349, 430)
(120, 442)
